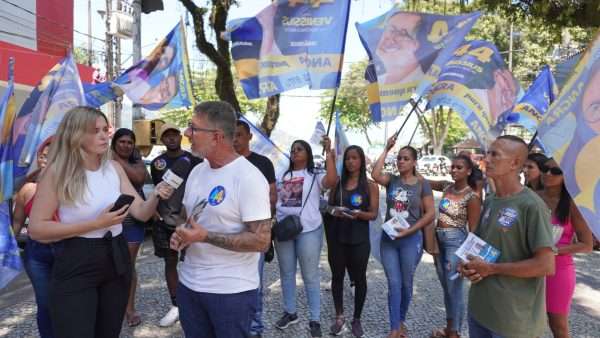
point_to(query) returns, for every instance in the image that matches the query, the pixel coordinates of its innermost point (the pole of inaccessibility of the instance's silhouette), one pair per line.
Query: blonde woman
(92, 271)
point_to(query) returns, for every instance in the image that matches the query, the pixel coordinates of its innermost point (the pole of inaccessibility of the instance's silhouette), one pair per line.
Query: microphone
(178, 172)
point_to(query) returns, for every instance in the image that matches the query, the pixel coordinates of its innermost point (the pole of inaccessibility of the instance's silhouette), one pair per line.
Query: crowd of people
(229, 212)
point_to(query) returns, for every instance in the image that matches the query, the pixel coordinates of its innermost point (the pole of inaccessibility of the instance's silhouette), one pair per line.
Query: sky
(299, 108)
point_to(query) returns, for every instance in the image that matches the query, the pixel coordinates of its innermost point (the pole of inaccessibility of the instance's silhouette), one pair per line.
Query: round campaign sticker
(216, 196)
(444, 204)
(356, 200)
(160, 164)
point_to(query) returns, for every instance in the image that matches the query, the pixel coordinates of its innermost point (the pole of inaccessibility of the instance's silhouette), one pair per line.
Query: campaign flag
(39, 117)
(7, 118)
(535, 103)
(341, 143)
(290, 44)
(570, 133)
(161, 80)
(477, 84)
(262, 144)
(318, 133)
(10, 260)
(407, 51)
(98, 94)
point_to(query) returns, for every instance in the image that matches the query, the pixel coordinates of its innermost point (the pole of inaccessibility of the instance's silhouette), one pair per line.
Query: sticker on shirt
(291, 192)
(160, 164)
(507, 218)
(400, 203)
(356, 200)
(216, 196)
(444, 204)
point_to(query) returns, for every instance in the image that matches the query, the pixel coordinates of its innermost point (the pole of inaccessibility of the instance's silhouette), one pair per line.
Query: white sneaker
(170, 318)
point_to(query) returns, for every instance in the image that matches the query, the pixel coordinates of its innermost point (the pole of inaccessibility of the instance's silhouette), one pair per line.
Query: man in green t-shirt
(507, 298)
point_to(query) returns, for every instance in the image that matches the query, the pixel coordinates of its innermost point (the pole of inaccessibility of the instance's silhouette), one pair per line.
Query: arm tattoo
(256, 237)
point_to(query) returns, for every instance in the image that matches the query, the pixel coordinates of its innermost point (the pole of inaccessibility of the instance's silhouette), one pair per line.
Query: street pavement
(17, 306)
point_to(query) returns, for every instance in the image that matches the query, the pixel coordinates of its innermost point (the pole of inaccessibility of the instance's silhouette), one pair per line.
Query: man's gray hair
(219, 113)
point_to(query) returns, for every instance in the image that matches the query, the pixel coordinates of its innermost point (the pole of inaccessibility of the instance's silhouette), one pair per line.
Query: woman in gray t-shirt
(409, 198)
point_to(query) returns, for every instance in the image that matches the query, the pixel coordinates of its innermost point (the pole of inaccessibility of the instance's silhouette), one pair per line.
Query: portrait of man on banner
(477, 83)
(289, 44)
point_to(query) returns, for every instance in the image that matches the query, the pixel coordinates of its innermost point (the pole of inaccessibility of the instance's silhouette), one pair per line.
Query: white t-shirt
(236, 193)
(291, 194)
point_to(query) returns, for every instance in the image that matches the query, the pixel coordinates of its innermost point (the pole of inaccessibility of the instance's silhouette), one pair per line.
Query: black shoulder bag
(290, 226)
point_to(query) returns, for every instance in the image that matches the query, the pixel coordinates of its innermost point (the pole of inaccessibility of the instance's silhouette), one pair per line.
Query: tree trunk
(367, 136)
(271, 115)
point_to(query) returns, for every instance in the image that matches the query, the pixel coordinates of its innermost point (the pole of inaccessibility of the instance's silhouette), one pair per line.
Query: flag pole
(413, 134)
(414, 108)
(530, 145)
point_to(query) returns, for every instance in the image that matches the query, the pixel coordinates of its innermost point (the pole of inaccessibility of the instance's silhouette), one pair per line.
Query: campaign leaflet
(393, 224)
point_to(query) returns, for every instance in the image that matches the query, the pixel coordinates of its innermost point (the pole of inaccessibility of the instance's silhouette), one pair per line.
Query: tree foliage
(204, 91)
(351, 101)
(213, 14)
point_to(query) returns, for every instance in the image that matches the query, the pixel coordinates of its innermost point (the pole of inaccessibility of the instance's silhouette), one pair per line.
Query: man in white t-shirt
(218, 279)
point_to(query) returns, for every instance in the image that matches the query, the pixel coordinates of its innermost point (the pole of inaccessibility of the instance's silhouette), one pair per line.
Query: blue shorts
(133, 230)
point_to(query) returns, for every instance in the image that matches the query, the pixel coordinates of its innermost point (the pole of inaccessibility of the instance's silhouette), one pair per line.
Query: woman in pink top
(567, 222)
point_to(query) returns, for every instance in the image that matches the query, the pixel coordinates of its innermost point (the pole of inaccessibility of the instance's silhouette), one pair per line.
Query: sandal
(338, 327)
(134, 320)
(439, 333)
(403, 331)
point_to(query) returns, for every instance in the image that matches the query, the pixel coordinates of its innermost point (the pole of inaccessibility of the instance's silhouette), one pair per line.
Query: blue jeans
(211, 315)
(39, 260)
(400, 258)
(306, 249)
(257, 325)
(449, 240)
(477, 330)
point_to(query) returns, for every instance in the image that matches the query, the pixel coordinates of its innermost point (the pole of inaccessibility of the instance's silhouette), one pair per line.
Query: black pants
(89, 287)
(354, 258)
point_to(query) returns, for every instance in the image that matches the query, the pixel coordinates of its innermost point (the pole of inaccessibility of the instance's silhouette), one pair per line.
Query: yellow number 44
(483, 54)
(439, 30)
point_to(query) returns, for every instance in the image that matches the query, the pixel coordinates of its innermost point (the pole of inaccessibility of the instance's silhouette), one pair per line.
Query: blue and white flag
(407, 51)
(39, 117)
(570, 133)
(7, 117)
(162, 79)
(10, 260)
(535, 103)
(262, 144)
(290, 44)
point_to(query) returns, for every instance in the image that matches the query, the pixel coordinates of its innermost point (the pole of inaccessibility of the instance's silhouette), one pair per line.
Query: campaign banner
(477, 84)
(290, 44)
(535, 103)
(570, 133)
(42, 112)
(262, 144)
(407, 51)
(10, 259)
(162, 79)
(7, 117)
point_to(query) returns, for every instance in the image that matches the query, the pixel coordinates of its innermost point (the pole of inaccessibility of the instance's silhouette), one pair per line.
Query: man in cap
(170, 212)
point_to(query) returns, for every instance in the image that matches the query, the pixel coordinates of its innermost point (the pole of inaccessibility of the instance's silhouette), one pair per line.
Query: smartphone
(121, 201)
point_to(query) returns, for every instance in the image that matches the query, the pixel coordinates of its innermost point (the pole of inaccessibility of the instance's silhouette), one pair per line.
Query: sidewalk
(17, 307)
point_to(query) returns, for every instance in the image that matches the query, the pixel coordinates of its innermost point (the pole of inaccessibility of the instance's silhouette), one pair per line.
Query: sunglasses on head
(553, 170)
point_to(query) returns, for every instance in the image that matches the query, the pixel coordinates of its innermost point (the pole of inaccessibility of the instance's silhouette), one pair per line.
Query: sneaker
(170, 318)
(338, 327)
(287, 320)
(357, 329)
(315, 329)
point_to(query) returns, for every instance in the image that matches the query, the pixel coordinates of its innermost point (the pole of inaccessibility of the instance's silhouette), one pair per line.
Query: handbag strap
(308, 195)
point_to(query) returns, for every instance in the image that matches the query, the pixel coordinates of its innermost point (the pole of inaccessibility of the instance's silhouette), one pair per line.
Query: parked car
(434, 165)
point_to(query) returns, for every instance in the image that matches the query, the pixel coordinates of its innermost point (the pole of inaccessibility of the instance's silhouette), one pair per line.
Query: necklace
(458, 192)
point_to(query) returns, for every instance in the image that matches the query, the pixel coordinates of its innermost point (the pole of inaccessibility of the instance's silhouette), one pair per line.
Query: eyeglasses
(553, 171)
(198, 129)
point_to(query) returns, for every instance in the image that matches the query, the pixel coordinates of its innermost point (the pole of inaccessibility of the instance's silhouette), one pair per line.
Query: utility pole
(137, 48)
(109, 58)
(90, 56)
(510, 47)
(117, 71)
